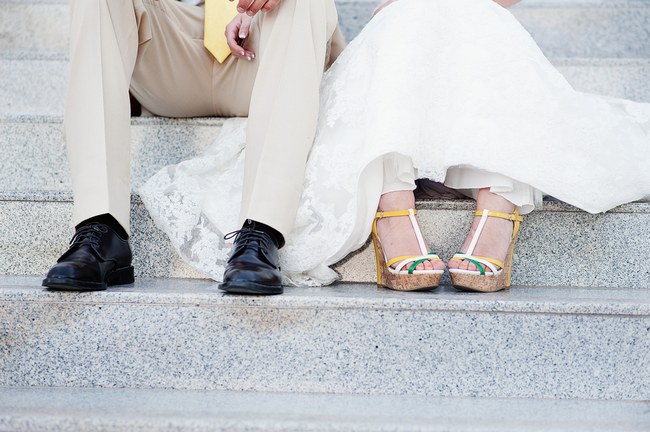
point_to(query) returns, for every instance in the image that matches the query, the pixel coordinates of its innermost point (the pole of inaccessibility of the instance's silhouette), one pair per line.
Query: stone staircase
(568, 348)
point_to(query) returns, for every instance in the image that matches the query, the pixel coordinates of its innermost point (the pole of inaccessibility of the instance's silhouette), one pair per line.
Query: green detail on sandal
(415, 264)
(477, 264)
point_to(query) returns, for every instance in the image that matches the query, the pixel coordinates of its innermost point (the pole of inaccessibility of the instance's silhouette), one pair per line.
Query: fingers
(232, 37)
(270, 5)
(251, 7)
(239, 25)
(255, 7)
(245, 27)
(242, 5)
(244, 31)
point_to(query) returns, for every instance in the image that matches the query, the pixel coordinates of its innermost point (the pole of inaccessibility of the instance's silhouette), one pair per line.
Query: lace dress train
(475, 96)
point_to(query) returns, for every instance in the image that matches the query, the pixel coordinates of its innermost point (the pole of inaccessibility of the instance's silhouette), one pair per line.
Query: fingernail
(249, 13)
(253, 56)
(240, 10)
(242, 35)
(243, 53)
(249, 58)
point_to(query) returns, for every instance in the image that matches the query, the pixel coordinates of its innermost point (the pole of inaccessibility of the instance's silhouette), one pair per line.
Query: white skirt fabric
(458, 87)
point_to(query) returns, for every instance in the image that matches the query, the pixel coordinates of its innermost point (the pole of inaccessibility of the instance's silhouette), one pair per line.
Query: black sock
(275, 235)
(109, 220)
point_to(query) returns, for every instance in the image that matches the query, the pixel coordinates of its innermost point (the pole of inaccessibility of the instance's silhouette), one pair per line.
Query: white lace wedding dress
(447, 83)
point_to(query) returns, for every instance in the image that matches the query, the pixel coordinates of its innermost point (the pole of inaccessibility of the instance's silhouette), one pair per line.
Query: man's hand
(236, 32)
(251, 7)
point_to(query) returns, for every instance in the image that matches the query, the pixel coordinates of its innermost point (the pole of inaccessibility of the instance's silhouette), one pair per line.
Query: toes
(467, 265)
(430, 265)
(435, 265)
(453, 264)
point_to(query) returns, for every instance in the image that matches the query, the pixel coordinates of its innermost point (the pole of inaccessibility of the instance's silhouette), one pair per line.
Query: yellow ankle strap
(381, 215)
(508, 216)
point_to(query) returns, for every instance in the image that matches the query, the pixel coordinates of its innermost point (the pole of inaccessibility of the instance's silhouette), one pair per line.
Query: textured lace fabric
(477, 92)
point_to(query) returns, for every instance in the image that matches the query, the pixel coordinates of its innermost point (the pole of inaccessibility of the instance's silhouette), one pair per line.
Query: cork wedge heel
(492, 275)
(404, 276)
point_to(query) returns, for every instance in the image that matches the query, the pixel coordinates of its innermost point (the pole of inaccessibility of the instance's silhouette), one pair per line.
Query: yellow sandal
(499, 276)
(397, 278)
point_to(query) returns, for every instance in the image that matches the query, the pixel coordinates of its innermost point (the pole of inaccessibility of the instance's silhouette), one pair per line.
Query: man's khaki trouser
(154, 48)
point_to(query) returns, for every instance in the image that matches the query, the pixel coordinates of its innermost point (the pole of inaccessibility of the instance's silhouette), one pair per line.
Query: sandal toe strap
(480, 262)
(415, 260)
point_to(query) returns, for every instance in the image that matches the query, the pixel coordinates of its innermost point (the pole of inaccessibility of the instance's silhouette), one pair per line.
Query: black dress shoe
(253, 267)
(97, 258)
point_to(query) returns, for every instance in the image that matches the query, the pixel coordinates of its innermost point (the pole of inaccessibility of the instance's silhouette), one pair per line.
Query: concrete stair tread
(35, 155)
(29, 409)
(205, 293)
(349, 338)
(135, 121)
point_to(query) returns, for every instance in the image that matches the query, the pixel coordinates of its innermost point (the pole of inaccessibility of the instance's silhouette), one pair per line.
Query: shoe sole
(473, 281)
(250, 288)
(123, 276)
(420, 282)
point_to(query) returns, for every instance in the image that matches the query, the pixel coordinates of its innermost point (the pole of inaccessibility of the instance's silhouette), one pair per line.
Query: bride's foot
(396, 233)
(496, 236)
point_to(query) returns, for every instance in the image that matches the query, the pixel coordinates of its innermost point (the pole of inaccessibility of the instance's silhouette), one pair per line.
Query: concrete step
(37, 87)
(583, 28)
(35, 156)
(558, 246)
(178, 334)
(94, 410)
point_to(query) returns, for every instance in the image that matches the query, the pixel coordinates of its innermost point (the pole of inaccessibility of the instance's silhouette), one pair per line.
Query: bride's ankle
(397, 234)
(496, 234)
(398, 200)
(493, 202)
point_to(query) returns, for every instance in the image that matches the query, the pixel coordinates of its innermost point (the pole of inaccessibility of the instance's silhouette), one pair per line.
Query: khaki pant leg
(111, 42)
(291, 56)
(103, 47)
(234, 79)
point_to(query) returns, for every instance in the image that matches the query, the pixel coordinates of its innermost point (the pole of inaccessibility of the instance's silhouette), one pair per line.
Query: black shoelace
(90, 234)
(244, 237)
